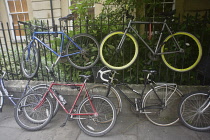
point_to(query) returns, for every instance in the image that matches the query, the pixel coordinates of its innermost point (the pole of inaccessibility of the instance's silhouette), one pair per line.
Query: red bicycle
(95, 115)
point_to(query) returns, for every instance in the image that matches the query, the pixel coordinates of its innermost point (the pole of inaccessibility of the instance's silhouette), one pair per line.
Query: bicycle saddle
(168, 14)
(150, 71)
(68, 17)
(85, 76)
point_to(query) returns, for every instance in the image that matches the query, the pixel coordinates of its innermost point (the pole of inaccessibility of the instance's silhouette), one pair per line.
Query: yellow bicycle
(180, 51)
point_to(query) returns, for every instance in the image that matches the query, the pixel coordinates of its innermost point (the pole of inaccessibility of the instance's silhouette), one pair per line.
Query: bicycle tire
(190, 112)
(1, 101)
(36, 119)
(41, 89)
(30, 60)
(97, 125)
(118, 60)
(182, 61)
(113, 96)
(157, 114)
(89, 53)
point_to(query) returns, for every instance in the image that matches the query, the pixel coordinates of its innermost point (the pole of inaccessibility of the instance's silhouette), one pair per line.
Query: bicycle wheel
(33, 119)
(118, 59)
(1, 101)
(194, 111)
(30, 60)
(97, 125)
(87, 56)
(42, 89)
(162, 114)
(189, 56)
(113, 95)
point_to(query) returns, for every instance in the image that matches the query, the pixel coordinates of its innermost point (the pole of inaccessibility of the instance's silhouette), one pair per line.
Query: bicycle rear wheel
(87, 55)
(97, 125)
(30, 60)
(121, 58)
(162, 114)
(113, 95)
(189, 56)
(32, 119)
(194, 111)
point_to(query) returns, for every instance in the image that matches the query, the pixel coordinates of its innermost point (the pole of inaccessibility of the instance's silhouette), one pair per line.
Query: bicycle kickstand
(64, 124)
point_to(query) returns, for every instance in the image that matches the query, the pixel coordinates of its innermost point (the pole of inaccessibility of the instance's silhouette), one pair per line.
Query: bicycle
(194, 111)
(95, 115)
(82, 50)
(27, 89)
(180, 51)
(159, 104)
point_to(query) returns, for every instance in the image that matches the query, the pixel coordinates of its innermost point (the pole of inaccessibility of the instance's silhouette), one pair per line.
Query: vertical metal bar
(6, 46)
(44, 50)
(11, 47)
(86, 19)
(17, 48)
(73, 27)
(101, 27)
(80, 25)
(50, 45)
(51, 8)
(2, 51)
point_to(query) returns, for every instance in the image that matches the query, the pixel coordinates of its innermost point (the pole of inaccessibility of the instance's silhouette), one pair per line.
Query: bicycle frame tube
(83, 87)
(34, 37)
(205, 105)
(6, 92)
(157, 48)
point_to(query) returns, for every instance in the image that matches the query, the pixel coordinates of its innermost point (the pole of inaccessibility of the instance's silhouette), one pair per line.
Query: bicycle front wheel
(42, 89)
(84, 50)
(164, 114)
(122, 57)
(184, 59)
(33, 119)
(30, 60)
(97, 125)
(194, 111)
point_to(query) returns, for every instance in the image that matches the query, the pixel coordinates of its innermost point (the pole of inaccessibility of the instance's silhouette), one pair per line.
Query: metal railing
(12, 45)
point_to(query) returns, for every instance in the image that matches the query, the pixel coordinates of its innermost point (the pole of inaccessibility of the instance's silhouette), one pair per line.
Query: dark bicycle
(159, 104)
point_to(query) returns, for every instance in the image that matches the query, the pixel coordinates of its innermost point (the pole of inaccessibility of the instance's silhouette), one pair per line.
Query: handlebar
(68, 17)
(102, 73)
(4, 73)
(106, 72)
(33, 26)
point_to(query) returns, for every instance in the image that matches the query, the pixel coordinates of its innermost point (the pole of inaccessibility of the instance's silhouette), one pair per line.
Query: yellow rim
(124, 66)
(199, 53)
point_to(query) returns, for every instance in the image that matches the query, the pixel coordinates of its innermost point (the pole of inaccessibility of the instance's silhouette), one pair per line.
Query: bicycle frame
(10, 97)
(157, 48)
(58, 54)
(138, 93)
(82, 87)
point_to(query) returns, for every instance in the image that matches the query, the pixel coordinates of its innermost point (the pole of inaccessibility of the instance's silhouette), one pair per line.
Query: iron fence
(14, 39)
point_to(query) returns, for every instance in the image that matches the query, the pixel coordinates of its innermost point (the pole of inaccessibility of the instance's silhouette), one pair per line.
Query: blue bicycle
(82, 50)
